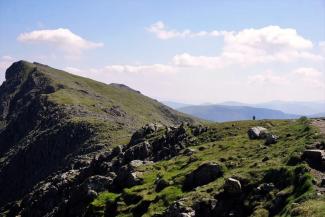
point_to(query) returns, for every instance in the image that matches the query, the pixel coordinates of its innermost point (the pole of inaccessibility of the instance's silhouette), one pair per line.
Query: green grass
(94, 96)
(97, 207)
(310, 208)
(90, 101)
(228, 144)
(103, 198)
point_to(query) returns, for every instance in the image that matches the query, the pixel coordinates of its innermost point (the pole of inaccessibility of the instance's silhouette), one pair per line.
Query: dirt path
(320, 123)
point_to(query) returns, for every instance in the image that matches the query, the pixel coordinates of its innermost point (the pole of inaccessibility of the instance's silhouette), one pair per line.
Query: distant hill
(299, 108)
(222, 113)
(318, 115)
(175, 105)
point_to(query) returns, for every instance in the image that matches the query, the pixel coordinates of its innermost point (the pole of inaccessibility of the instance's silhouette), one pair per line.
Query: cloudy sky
(185, 50)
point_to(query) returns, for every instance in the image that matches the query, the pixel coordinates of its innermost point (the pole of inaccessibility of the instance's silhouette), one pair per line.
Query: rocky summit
(71, 146)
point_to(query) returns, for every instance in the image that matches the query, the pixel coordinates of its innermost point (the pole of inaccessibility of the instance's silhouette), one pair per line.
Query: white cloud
(304, 78)
(270, 35)
(188, 60)
(186, 84)
(152, 79)
(154, 68)
(307, 72)
(268, 77)
(64, 39)
(109, 73)
(162, 32)
(321, 45)
(245, 47)
(73, 70)
(310, 76)
(268, 44)
(255, 46)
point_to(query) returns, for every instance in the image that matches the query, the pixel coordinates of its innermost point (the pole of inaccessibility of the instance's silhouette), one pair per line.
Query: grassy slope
(92, 100)
(243, 158)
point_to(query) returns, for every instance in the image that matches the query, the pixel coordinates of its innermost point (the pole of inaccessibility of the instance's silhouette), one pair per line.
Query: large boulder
(314, 155)
(257, 133)
(232, 186)
(204, 174)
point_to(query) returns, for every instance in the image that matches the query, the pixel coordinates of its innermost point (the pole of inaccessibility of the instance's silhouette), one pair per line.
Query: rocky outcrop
(140, 151)
(203, 175)
(67, 193)
(141, 134)
(199, 130)
(169, 142)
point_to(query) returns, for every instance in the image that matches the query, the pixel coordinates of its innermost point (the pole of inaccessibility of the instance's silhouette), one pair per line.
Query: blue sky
(189, 51)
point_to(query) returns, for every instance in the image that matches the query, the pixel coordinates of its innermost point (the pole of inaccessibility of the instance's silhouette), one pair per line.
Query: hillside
(51, 120)
(70, 146)
(222, 113)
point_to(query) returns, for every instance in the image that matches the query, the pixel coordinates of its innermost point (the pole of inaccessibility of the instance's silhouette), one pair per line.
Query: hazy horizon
(192, 52)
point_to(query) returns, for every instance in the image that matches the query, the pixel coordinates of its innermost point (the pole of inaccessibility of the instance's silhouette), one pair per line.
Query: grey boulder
(203, 175)
(257, 133)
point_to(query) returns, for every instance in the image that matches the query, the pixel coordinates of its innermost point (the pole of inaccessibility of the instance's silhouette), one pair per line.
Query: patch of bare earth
(320, 124)
(319, 176)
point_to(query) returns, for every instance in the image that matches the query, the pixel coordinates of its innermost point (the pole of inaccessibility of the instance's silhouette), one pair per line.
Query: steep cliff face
(51, 120)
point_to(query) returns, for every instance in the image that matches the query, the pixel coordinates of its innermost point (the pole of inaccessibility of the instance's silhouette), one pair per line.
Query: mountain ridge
(41, 105)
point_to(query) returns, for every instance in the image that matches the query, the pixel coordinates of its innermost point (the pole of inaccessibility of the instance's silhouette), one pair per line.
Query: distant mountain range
(222, 113)
(299, 108)
(176, 105)
(231, 110)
